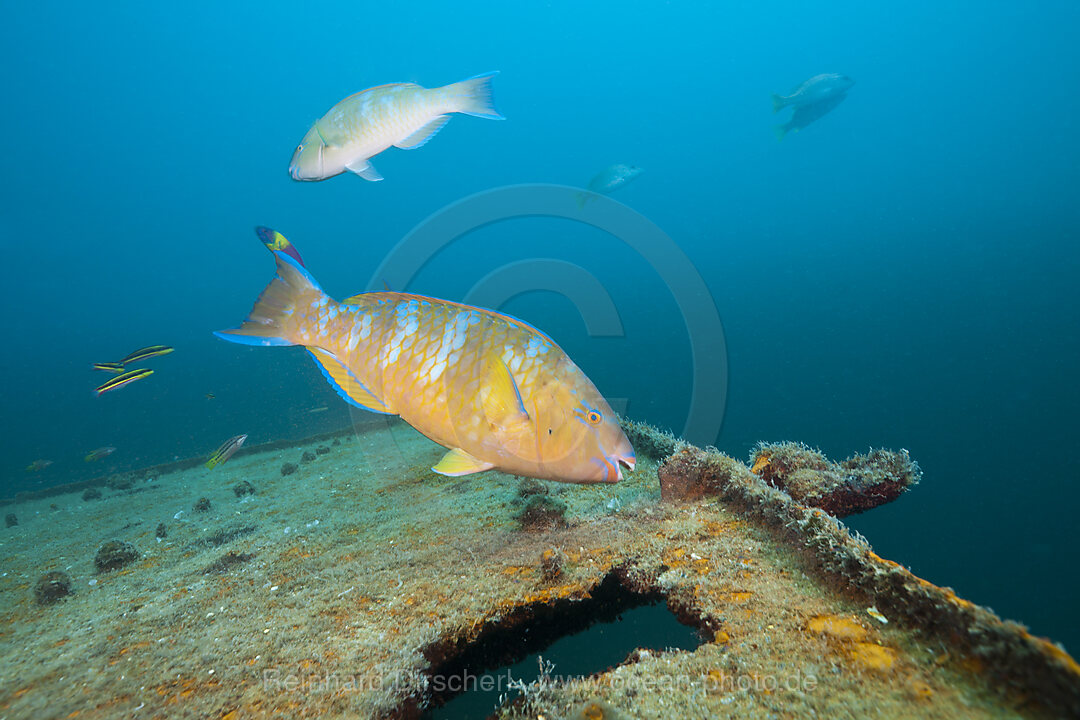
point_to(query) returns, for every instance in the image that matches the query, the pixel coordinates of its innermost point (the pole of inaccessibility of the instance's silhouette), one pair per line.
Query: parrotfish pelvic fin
(364, 169)
(457, 462)
(271, 321)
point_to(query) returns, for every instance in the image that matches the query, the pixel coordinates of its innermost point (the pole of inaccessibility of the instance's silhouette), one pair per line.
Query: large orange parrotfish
(493, 390)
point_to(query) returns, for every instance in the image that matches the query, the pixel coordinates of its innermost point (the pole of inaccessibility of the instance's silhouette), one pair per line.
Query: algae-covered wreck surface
(342, 577)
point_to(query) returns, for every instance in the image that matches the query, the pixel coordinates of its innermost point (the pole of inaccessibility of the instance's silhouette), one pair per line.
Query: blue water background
(902, 273)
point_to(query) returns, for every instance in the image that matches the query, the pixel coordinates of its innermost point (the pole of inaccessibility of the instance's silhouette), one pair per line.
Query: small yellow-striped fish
(121, 380)
(495, 391)
(146, 353)
(95, 455)
(226, 451)
(113, 367)
(404, 115)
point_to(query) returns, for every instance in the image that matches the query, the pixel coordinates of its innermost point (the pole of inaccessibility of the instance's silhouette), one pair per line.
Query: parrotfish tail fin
(273, 240)
(778, 103)
(275, 319)
(473, 96)
(780, 130)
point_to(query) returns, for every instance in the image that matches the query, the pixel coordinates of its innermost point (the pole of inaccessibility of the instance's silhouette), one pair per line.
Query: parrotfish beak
(614, 465)
(307, 160)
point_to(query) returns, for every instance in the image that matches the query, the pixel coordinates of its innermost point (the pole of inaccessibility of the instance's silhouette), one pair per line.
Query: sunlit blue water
(901, 273)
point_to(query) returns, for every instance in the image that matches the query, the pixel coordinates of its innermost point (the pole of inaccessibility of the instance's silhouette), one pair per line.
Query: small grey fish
(609, 180)
(811, 101)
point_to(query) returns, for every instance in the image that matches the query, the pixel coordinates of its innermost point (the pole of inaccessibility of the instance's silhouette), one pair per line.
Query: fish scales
(413, 350)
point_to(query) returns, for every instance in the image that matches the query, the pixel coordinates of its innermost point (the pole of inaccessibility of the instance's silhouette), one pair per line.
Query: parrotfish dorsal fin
(346, 384)
(500, 396)
(457, 462)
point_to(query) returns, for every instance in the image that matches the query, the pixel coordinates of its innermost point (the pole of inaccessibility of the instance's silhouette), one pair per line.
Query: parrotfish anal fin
(346, 384)
(500, 396)
(421, 136)
(364, 169)
(457, 462)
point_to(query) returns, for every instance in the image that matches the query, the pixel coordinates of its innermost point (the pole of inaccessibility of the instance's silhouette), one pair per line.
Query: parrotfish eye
(594, 417)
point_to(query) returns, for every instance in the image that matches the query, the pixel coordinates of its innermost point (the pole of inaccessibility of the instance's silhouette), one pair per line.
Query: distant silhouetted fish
(811, 100)
(101, 452)
(608, 180)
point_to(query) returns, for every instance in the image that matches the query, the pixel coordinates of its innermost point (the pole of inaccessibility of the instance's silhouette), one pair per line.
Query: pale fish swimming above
(402, 115)
(608, 180)
(493, 390)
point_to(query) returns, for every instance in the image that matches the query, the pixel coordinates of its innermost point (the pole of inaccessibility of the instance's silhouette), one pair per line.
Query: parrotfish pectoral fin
(272, 321)
(474, 96)
(346, 384)
(364, 169)
(274, 240)
(457, 462)
(421, 136)
(778, 103)
(501, 398)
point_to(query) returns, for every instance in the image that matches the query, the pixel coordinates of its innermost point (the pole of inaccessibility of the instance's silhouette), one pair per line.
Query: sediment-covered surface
(351, 585)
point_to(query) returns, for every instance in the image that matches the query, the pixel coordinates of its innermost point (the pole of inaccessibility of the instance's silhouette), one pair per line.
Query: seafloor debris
(161, 532)
(857, 484)
(52, 586)
(10, 520)
(552, 561)
(227, 561)
(228, 534)
(529, 486)
(114, 555)
(201, 505)
(308, 456)
(594, 710)
(289, 468)
(542, 512)
(322, 450)
(119, 482)
(91, 494)
(678, 483)
(243, 488)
